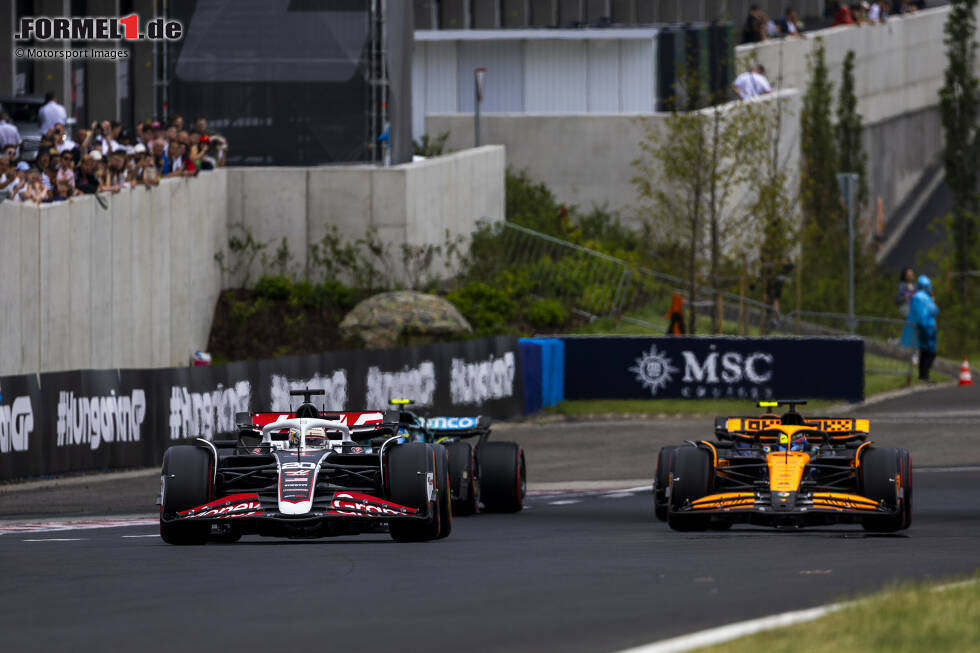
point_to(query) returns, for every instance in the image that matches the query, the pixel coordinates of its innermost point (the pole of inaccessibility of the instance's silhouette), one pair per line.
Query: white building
(536, 71)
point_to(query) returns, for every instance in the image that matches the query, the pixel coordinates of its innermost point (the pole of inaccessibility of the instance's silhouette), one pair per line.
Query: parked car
(23, 113)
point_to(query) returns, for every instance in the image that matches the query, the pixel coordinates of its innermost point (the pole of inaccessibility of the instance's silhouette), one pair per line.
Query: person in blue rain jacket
(922, 314)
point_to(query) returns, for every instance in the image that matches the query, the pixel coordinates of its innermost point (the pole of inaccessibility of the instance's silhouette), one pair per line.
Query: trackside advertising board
(714, 368)
(110, 419)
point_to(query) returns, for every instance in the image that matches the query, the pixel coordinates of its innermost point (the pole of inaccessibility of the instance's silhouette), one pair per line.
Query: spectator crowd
(104, 158)
(760, 27)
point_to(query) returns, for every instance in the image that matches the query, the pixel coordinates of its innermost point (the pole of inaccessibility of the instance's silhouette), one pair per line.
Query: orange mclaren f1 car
(785, 471)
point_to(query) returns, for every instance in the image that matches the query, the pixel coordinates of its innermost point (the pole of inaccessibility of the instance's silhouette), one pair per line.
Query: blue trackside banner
(681, 367)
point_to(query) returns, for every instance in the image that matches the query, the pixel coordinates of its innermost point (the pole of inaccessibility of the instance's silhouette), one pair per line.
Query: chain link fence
(610, 292)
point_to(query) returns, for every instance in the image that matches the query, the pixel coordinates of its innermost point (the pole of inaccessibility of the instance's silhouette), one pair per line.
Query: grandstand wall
(134, 285)
(586, 159)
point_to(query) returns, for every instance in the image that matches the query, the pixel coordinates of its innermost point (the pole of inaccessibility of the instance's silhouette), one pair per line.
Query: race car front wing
(341, 505)
(786, 503)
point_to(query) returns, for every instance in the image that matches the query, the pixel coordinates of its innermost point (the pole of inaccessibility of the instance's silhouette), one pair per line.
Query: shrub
(531, 204)
(546, 313)
(597, 298)
(487, 308)
(274, 287)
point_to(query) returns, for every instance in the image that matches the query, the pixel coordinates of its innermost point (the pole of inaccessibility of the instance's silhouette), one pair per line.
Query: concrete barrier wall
(414, 203)
(586, 159)
(133, 285)
(898, 65)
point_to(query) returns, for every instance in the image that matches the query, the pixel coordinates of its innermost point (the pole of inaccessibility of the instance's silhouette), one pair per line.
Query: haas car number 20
(305, 474)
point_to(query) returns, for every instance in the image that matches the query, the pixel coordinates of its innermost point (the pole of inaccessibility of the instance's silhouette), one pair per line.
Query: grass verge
(910, 617)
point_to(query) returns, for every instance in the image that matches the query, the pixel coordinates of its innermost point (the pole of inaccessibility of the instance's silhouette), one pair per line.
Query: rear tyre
(443, 498)
(462, 478)
(187, 477)
(881, 469)
(660, 482)
(691, 475)
(409, 468)
(503, 476)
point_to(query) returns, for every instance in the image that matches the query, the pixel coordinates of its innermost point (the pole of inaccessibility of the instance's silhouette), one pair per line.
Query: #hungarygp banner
(110, 419)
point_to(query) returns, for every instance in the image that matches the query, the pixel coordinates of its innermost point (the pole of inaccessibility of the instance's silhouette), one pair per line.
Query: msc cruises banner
(111, 419)
(713, 368)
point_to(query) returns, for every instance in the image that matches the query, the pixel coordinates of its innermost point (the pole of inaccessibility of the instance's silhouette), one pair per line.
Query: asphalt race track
(575, 571)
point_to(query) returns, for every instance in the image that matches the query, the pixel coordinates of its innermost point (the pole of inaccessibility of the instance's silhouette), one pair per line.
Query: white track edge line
(736, 630)
(739, 629)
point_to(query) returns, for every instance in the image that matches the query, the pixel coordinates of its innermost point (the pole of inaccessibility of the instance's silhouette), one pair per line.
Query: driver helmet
(794, 442)
(316, 438)
(294, 437)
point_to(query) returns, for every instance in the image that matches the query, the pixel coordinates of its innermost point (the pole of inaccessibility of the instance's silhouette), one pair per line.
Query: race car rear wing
(834, 429)
(359, 422)
(458, 427)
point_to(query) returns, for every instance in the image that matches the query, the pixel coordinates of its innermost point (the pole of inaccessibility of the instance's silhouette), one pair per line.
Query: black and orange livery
(784, 471)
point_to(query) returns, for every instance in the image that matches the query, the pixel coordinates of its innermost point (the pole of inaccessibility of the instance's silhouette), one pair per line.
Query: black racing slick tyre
(881, 473)
(906, 460)
(410, 469)
(690, 479)
(660, 482)
(443, 497)
(503, 476)
(463, 481)
(187, 483)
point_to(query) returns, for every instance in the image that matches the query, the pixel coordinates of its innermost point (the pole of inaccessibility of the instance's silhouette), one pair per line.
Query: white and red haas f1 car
(298, 475)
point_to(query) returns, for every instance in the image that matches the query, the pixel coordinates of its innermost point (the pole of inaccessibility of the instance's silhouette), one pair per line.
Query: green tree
(819, 195)
(671, 180)
(959, 100)
(691, 168)
(774, 208)
(850, 150)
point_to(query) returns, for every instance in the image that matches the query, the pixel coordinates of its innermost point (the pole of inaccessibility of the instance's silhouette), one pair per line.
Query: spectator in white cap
(18, 190)
(85, 178)
(144, 171)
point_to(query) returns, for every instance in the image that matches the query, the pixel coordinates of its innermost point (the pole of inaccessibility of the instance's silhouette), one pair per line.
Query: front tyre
(690, 479)
(411, 468)
(881, 471)
(660, 482)
(187, 479)
(443, 498)
(906, 461)
(503, 476)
